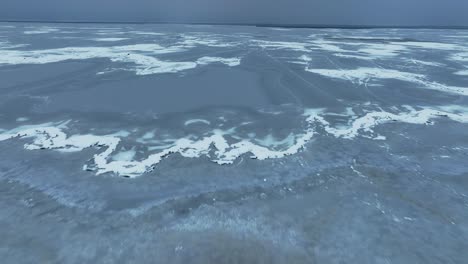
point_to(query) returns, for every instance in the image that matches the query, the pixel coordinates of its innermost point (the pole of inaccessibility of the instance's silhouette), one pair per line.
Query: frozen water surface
(229, 144)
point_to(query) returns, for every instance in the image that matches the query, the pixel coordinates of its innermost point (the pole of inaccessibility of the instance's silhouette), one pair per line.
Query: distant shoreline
(266, 25)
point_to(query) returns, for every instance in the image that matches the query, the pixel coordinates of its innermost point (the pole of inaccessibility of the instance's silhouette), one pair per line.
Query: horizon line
(292, 25)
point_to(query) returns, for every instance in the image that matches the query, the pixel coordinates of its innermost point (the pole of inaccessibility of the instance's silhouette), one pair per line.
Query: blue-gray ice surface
(229, 144)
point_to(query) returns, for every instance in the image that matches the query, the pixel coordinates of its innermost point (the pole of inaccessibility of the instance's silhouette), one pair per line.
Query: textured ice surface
(244, 144)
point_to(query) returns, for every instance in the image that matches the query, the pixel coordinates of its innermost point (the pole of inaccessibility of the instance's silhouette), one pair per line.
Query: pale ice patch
(146, 33)
(280, 29)
(326, 45)
(271, 141)
(350, 56)
(148, 135)
(115, 53)
(228, 61)
(195, 121)
(108, 39)
(40, 30)
(430, 45)
(124, 155)
(303, 60)
(379, 50)
(363, 125)
(22, 119)
(8, 45)
(359, 50)
(426, 63)
(109, 32)
(460, 57)
(295, 46)
(463, 72)
(382, 50)
(209, 40)
(121, 133)
(365, 75)
(377, 38)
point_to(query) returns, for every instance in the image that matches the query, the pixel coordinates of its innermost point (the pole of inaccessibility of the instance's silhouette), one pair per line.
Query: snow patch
(228, 61)
(463, 72)
(141, 55)
(125, 155)
(296, 46)
(22, 119)
(215, 145)
(40, 30)
(194, 121)
(364, 75)
(108, 39)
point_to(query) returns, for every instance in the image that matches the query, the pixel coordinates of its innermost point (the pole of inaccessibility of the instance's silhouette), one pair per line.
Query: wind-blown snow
(141, 55)
(209, 40)
(366, 123)
(296, 46)
(215, 145)
(109, 39)
(364, 75)
(460, 57)
(228, 61)
(41, 30)
(8, 45)
(463, 72)
(194, 121)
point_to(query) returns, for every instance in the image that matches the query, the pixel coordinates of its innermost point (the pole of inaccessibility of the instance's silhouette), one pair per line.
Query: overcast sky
(318, 12)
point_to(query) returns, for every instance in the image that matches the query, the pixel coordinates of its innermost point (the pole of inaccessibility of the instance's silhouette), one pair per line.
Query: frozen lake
(232, 144)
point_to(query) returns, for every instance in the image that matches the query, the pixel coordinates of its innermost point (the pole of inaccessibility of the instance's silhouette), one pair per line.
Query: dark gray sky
(330, 12)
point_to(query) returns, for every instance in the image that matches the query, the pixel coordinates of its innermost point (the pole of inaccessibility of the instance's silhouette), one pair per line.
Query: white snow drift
(142, 56)
(368, 75)
(216, 145)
